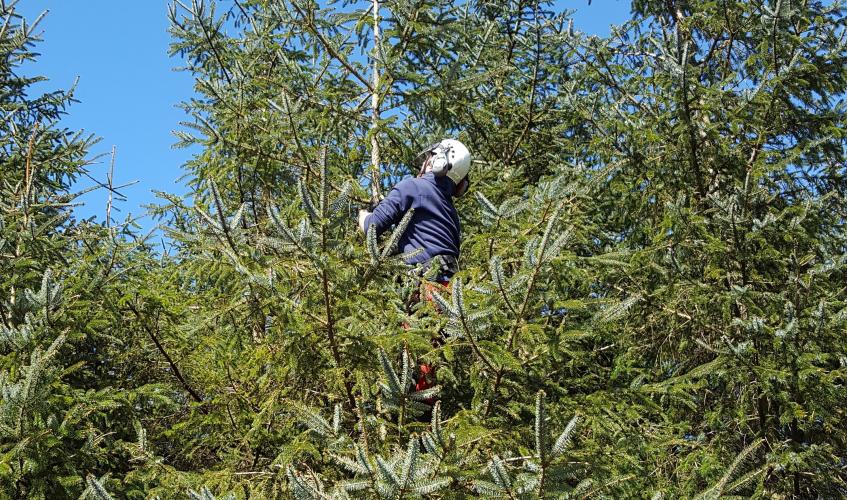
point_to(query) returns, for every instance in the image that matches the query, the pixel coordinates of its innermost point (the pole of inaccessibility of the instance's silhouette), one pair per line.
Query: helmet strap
(425, 163)
(462, 188)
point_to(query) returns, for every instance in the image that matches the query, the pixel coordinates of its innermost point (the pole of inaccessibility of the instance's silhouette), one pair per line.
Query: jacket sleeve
(393, 207)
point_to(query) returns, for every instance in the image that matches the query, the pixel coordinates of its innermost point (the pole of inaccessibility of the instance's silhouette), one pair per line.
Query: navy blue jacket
(435, 224)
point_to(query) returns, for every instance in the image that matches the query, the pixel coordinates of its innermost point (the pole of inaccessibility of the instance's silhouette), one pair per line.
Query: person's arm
(391, 209)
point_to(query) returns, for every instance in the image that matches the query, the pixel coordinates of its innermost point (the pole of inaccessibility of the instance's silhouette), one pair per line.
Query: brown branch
(330, 325)
(534, 84)
(519, 318)
(29, 174)
(174, 368)
(333, 341)
(215, 52)
(687, 118)
(310, 24)
(474, 345)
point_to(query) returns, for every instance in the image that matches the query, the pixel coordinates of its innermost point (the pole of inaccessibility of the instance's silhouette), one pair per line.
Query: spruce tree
(650, 301)
(65, 416)
(653, 242)
(724, 126)
(299, 316)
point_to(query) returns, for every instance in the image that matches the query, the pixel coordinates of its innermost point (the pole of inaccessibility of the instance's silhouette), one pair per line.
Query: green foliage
(540, 470)
(66, 402)
(651, 290)
(95, 489)
(398, 391)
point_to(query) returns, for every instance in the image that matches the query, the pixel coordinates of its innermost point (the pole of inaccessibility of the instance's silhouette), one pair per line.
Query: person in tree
(434, 228)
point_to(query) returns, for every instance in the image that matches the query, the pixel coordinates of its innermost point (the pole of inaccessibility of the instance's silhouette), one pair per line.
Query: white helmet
(449, 157)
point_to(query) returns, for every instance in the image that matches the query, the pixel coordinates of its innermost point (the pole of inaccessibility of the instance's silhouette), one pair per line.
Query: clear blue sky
(128, 89)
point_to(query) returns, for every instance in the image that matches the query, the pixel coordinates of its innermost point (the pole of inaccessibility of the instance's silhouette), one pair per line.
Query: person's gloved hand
(363, 214)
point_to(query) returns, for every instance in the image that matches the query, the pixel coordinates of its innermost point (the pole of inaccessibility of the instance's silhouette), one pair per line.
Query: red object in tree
(425, 376)
(426, 379)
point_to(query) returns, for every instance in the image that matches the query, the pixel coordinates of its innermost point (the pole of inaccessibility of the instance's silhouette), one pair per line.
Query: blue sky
(128, 88)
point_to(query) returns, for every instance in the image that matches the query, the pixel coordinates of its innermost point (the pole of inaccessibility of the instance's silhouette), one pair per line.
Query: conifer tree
(652, 243)
(723, 124)
(650, 299)
(296, 312)
(64, 412)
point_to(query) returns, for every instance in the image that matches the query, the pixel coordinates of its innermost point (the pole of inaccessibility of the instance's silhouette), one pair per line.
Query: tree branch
(310, 24)
(174, 368)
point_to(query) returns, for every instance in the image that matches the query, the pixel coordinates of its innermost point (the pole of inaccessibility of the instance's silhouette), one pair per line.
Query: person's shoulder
(408, 185)
(407, 181)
